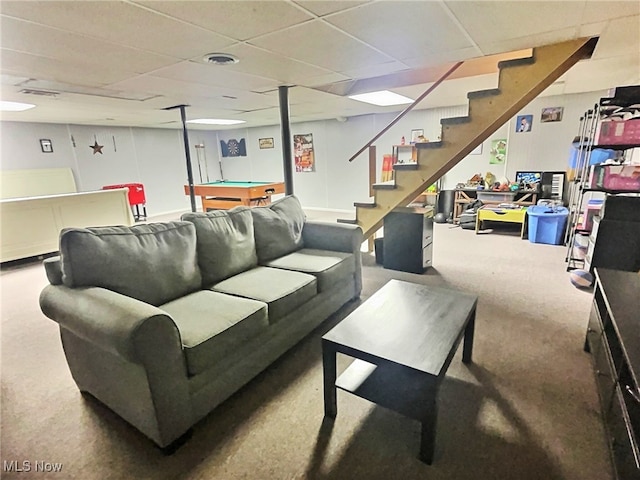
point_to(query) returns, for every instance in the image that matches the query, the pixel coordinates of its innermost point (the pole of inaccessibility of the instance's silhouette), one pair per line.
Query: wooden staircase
(519, 82)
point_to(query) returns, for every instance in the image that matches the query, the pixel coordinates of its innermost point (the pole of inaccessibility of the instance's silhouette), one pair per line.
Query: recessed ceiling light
(383, 98)
(15, 106)
(220, 58)
(215, 121)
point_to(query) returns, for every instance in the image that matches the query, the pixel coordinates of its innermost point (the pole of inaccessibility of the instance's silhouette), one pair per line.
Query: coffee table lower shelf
(390, 386)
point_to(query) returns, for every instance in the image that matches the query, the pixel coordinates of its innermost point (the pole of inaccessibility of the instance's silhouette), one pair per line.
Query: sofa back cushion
(278, 228)
(226, 244)
(154, 263)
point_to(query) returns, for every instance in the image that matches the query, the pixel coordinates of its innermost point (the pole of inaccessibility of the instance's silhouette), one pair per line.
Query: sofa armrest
(134, 331)
(338, 237)
(105, 318)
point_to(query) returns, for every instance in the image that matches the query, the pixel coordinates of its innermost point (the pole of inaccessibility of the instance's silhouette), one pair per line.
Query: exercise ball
(581, 278)
(440, 218)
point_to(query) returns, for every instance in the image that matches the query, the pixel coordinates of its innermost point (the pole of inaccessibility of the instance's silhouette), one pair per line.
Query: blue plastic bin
(547, 224)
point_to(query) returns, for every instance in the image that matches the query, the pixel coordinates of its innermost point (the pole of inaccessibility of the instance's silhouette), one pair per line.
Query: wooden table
(498, 214)
(227, 194)
(403, 339)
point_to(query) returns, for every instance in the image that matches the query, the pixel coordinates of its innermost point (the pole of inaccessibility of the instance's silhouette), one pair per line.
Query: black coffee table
(403, 339)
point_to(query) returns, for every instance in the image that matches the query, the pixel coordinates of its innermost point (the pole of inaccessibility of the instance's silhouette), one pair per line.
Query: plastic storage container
(547, 224)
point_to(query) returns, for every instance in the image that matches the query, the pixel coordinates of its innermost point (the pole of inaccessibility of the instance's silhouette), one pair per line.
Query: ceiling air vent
(220, 59)
(42, 93)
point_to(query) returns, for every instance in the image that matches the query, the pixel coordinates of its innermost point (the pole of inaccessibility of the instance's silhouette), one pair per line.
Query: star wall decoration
(96, 148)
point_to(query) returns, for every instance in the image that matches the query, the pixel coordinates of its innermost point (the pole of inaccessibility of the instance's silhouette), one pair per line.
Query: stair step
(406, 166)
(455, 120)
(390, 185)
(437, 144)
(347, 220)
(491, 92)
(515, 62)
(371, 203)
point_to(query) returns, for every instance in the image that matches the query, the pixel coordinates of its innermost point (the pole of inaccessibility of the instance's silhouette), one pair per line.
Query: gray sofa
(164, 321)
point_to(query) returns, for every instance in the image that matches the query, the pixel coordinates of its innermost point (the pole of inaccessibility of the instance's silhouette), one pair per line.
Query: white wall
(155, 157)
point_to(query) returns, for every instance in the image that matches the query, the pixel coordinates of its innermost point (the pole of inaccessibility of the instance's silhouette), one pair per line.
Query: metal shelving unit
(579, 186)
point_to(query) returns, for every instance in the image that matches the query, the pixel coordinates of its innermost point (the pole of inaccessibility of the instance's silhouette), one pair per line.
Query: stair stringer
(518, 84)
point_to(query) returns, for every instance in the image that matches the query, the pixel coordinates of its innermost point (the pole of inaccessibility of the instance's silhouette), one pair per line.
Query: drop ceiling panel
(240, 20)
(376, 70)
(326, 7)
(215, 75)
(120, 23)
(242, 100)
(263, 63)
(622, 38)
(602, 74)
(80, 50)
(595, 11)
(442, 57)
(319, 44)
(34, 66)
(409, 28)
(525, 42)
(495, 22)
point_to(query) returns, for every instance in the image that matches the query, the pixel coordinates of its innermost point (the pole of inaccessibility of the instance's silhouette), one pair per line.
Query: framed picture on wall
(551, 114)
(265, 143)
(415, 134)
(46, 146)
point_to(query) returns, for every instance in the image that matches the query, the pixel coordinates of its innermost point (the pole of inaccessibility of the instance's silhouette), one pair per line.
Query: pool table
(225, 194)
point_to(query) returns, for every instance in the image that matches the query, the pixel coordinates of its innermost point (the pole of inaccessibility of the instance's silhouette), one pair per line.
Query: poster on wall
(233, 148)
(498, 152)
(303, 153)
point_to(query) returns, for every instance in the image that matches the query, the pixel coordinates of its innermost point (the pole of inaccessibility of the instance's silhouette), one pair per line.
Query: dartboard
(234, 148)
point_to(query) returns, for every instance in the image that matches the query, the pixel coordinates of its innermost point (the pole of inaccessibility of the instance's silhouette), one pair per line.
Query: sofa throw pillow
(154, 263)
(278, 228)
(226, 245)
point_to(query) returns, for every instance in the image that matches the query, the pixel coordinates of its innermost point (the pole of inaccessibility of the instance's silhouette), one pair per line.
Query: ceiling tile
(215, 75)
(602, 74)
(120, 23)
(23, 36)
(196, 94)
(241, 20)
(596, 11)
(442, 57)
(409, 28)
(495, 22)
(256, 61)
(322, 8)
(621, 37)
(34, 66)
(319, 44)
(376, 70)
(529, 41)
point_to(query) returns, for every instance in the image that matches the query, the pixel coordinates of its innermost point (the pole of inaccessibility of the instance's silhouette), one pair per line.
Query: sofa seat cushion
(282, 290)
(328, 267)
(214, 325)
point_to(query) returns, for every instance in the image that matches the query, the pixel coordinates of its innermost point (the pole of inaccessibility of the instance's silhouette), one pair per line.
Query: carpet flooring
(526, 409)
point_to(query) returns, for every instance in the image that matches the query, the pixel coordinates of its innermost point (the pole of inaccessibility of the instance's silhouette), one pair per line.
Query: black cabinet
(408, 239)
(614, 241)
(613, 339)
